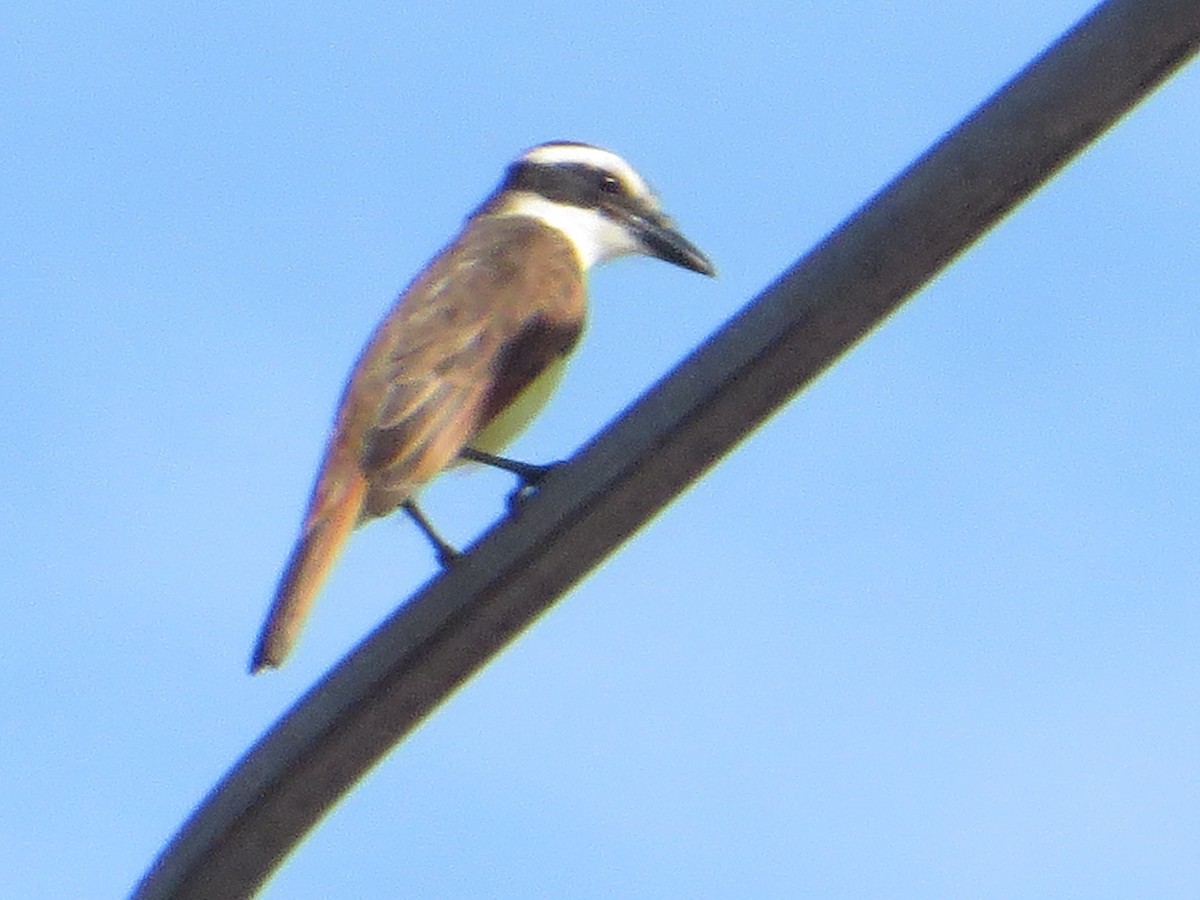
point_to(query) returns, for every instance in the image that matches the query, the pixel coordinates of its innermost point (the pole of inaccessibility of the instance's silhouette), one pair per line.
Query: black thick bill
(661, 239)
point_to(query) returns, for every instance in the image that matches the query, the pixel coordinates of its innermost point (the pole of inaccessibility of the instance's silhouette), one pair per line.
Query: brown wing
(488, 316)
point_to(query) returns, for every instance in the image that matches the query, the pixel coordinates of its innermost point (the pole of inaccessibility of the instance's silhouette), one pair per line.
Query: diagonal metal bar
(782, 340)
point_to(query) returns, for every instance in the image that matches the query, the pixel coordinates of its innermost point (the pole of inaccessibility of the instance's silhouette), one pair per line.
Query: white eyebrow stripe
(585, 154)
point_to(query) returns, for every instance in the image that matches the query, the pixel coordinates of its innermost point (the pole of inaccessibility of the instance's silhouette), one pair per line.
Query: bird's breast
(516, 416)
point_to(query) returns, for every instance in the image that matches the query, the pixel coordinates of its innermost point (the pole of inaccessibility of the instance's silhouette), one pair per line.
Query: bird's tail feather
(313, 556)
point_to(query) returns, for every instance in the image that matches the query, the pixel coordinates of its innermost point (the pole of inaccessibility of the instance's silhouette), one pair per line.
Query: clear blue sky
(933, 631)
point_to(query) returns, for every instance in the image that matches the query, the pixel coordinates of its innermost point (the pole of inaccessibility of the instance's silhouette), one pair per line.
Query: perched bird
(470, 351)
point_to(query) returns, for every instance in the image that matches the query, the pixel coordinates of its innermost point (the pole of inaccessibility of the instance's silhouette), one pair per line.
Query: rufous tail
(324, 535)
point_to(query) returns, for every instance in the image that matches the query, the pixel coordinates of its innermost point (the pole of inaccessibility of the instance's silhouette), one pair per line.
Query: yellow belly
(514, 418)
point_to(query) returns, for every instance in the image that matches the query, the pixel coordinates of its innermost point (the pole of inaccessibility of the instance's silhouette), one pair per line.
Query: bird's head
(599, 201)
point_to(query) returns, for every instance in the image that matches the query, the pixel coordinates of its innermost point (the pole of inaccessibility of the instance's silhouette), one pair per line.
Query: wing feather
(467, 336)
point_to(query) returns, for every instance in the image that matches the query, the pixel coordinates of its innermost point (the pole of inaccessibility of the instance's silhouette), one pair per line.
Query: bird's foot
(531, 475)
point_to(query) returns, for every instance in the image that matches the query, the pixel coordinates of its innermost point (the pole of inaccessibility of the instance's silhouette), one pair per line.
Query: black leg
(531, 475)
(446, 553)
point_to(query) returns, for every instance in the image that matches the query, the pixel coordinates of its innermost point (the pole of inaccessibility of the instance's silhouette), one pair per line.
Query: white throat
(595, 237)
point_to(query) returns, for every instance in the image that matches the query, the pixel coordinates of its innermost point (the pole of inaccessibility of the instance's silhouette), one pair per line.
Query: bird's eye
(610, 184)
